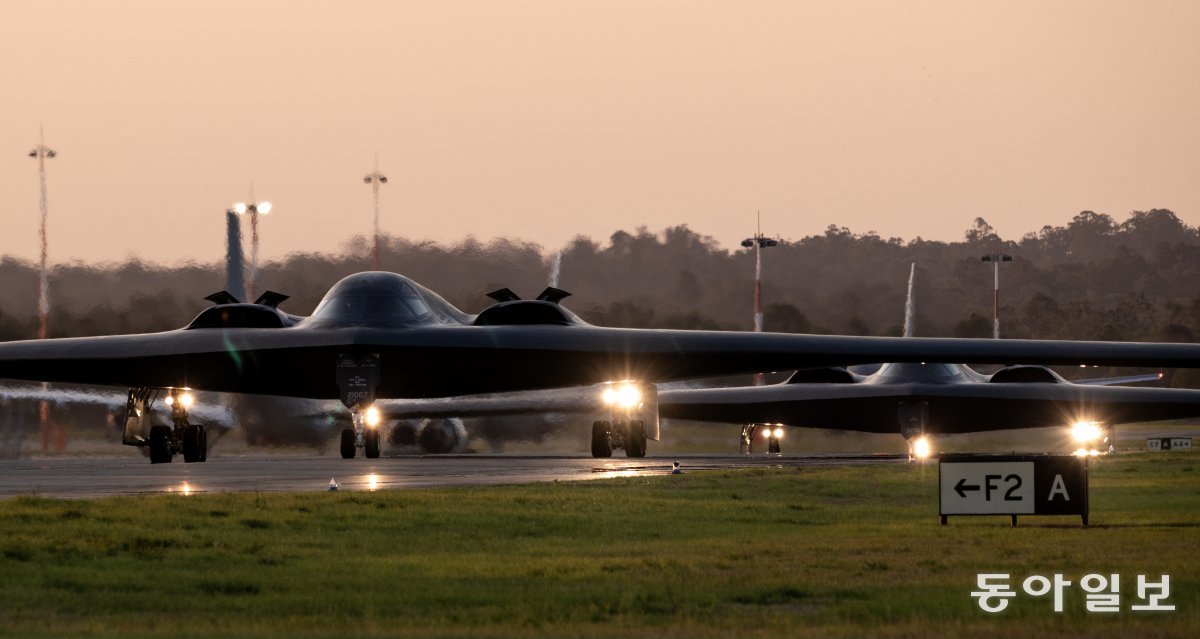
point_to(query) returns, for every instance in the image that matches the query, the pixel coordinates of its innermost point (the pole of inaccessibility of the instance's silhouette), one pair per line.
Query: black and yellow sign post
(1013, 485)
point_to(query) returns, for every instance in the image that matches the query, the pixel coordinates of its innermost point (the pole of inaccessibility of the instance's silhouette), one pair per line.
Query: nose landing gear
(364, 434)
(913, 417)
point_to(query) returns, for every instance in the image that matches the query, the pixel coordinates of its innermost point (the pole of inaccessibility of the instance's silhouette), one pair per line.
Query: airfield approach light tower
(41, 153)
(375, 179)
(995, 259)
(253, 208)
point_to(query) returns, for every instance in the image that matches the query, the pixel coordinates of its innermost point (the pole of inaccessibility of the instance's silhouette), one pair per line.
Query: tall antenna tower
(41, 153)
(375, 178)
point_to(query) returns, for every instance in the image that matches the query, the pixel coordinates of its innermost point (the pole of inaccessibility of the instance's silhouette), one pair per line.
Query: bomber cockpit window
(396, 305)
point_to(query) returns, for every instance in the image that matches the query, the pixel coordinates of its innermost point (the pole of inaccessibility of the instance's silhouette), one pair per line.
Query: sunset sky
(545, 120)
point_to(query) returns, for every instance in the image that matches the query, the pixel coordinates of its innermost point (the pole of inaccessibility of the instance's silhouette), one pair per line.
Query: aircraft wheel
(203, 437)
(635, 443)
(773, 445)
(747, 443)
(372, 443)
(601, 446)
(191, 444)
(160, 445)
(348, 443)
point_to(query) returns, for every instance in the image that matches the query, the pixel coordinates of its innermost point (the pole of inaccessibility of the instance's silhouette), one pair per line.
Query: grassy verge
(773, 552)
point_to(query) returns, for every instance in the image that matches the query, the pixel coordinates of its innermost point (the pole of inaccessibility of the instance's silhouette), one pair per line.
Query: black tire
(191, 444)
(773, 445)
(203, 443)
(601, 446)
(160, 445)
(635, 442)
(372, 443)
(348, 443)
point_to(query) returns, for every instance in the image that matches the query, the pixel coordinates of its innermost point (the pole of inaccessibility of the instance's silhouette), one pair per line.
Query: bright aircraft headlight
(922, 449)
(186, 399)
(169, 401)
(623, 395)
(1086, 432)
(778, 433)
(373, 417)
(629, 396)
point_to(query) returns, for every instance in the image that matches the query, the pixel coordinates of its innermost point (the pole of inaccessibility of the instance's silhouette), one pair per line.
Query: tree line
(1093, 278)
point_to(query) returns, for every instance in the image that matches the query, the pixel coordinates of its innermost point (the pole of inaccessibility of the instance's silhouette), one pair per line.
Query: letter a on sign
(1058, 488)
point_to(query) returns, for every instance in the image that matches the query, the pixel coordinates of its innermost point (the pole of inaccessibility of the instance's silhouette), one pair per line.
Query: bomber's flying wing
(66, 397)
(952, 408)
(578, 399)
(906, 398)
(380, 335)
(413, 344)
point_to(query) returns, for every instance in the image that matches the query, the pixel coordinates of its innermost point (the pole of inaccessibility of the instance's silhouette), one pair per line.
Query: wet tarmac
(90, 477)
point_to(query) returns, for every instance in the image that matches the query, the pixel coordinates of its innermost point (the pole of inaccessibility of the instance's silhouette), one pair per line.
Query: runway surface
(104, 476)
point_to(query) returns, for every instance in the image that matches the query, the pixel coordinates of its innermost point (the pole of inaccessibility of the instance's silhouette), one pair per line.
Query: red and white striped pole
(996, 303)
(758, 315)
(995, 259)
(759, 242)
(41, 153)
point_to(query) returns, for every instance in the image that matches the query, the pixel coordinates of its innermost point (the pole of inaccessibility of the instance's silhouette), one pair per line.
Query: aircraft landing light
(1084, 431)
(776, 432)
(624, 394)
(922, 449)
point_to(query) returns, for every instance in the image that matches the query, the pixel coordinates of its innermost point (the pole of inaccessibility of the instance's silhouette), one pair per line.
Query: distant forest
(1094, 278)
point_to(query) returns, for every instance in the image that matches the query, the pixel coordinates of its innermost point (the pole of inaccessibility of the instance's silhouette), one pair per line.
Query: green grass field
(773, 552)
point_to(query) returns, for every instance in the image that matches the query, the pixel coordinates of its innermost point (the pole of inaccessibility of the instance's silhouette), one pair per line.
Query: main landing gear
(632, 419)
(773, 433)
(627, 434)
(364, 435)
(164, 442)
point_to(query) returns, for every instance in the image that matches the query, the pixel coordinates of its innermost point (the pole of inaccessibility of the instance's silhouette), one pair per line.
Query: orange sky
(543, 120)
